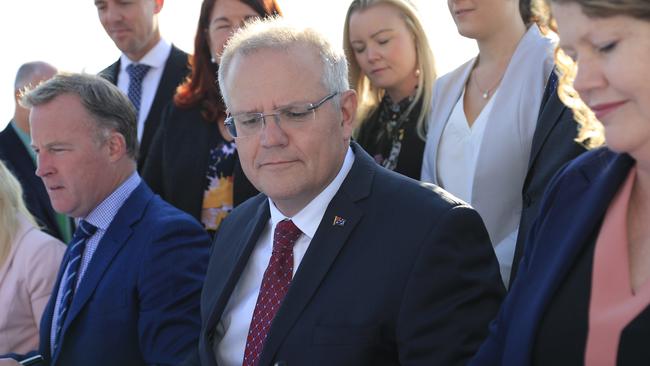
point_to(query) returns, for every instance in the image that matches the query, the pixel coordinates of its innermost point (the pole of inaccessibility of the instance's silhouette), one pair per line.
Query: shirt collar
(309, 218)
(156, 57)
(102, 215)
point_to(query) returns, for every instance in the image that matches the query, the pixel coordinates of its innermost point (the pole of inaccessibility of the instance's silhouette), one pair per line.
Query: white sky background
(67, 34)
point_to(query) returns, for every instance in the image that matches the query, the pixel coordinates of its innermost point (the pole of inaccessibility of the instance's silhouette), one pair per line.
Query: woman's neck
(496, 49)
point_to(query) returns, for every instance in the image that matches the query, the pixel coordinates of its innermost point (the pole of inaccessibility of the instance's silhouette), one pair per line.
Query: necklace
(485, 93)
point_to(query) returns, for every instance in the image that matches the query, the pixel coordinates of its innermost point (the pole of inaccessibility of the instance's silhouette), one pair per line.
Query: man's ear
(348, 111)
(116, 146)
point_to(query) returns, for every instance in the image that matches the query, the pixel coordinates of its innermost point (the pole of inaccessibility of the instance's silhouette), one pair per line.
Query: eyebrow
(225, 19)
(374, 34)
(52, 144)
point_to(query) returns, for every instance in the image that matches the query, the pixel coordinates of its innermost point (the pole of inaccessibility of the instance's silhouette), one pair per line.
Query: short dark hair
(111, 108)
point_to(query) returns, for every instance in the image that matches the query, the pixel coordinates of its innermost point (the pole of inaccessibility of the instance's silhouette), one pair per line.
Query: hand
(8, 362)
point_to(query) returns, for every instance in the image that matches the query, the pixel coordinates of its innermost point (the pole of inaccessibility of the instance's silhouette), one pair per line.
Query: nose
(372, 54)
(43, 166)
(589, 77)
(272, 134)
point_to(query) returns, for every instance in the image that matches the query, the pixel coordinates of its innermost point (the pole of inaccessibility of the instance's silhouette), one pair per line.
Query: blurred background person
(495, 135)
(150, 67)
(582, 293)
(194, 164)
(29, 262)
(392, 70)
(19, 158)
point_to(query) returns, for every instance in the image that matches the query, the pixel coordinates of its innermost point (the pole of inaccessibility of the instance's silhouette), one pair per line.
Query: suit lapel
(233, 263)
(113, 240)
(172, 76)
(560, 249)
(323, 250)
(549, 117)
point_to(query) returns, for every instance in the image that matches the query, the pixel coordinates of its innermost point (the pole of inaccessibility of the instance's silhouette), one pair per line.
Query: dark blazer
(410, 278)
(138, 302)
(176, 69)
(553, 146)
(570, 217)
(18, 160)
(178, 161)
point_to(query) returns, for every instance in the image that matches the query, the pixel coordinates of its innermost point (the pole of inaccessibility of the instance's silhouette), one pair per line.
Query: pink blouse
(613, 303)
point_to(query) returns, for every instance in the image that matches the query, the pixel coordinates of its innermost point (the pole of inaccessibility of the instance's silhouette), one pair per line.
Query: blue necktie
(84, 231)
(136, 73)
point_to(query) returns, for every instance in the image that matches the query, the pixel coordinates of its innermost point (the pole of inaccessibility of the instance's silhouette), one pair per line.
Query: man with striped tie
(128, 288)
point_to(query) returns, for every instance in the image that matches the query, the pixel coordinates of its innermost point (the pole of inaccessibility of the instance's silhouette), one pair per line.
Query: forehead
(365, 22)
(226, 8)
(59, 119)
(268, 78)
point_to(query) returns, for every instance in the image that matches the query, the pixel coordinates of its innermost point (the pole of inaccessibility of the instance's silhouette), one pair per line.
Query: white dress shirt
(156, 59)
(232, 329)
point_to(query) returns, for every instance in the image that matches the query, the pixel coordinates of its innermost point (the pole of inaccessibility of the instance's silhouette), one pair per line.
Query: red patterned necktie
(275, 285)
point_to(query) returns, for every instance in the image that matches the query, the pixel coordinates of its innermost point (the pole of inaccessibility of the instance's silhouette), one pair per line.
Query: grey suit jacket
(505, 149)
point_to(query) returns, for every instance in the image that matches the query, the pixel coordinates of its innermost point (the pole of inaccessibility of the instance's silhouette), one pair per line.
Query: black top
(389, 130)
(179, 161)
(562, 335)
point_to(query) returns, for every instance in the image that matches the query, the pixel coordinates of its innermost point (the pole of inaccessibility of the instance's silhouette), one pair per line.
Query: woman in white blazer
(484, 115)
(29, 262)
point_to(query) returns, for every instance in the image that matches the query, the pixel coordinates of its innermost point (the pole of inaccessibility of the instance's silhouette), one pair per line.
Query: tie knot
(85, 230)
(137, 71)
(285, 236)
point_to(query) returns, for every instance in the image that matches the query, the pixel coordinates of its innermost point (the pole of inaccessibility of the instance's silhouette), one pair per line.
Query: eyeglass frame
(229, 122)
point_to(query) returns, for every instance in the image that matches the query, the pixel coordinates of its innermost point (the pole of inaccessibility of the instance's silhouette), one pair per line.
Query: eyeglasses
(249, 123)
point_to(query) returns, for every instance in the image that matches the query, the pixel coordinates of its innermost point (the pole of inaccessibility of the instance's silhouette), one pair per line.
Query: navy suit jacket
(18, 160)
(410, 278)
(138, 302)
(552, 147)
(570, 218)
(176, 69)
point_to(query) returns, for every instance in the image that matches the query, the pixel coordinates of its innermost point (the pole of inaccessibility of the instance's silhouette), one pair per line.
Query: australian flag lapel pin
(338, 221)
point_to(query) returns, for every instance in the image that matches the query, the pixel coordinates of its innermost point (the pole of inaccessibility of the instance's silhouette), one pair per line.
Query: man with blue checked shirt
(128, 288)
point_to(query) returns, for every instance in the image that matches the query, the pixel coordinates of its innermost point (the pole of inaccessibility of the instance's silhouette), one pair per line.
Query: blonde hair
(11, 207)
(369, 96)
(591, 132)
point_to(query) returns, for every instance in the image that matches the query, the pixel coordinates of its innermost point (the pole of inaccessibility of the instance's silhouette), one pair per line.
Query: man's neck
(139, 55)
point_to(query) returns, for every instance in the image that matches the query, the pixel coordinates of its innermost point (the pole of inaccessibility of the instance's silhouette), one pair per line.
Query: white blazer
(504, 152)
(26, 280)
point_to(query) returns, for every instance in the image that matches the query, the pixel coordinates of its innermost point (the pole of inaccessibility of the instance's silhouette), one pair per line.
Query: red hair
(201, 88)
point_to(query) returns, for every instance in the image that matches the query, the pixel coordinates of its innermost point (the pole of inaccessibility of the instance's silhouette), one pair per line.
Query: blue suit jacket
(571, 214)
(17, 159)
(138, 302)
(410, 278)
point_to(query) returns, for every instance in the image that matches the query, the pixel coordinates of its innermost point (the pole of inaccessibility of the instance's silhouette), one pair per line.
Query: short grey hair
(276, 33)
(111, 109)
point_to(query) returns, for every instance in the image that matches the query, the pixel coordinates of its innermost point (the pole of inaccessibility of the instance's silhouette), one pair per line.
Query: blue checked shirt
(101, 217)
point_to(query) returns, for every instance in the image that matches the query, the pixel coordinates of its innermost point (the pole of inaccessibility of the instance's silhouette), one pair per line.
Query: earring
(417, 73)
(213, 60)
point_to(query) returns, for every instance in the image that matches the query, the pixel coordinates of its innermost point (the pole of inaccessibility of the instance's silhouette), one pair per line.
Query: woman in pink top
(29, 261)
(582, 294)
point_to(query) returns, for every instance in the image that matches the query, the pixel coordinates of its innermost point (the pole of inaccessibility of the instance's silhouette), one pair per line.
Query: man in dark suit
(128, 288)
(16, 152)
(553, 146)
(338, 261)
(149, 69)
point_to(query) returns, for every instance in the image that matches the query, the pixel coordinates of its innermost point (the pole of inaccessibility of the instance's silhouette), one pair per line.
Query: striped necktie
(70, 277)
